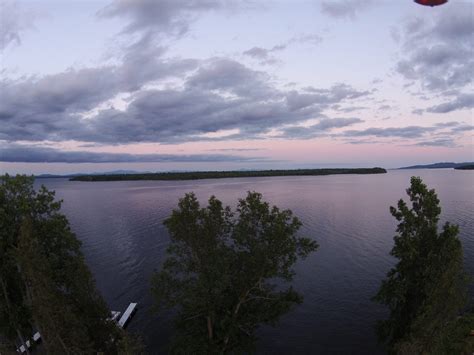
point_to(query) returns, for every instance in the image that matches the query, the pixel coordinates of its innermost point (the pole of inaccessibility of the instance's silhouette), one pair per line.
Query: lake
(124, 240)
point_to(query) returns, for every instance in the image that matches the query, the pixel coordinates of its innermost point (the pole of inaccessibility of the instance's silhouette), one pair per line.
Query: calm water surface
(120, 225)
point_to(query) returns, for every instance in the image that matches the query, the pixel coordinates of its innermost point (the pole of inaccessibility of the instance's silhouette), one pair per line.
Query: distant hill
(445, 165)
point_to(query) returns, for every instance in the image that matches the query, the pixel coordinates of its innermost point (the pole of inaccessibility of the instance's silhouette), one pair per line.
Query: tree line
(198, 175)
(45, 284)
(226, 273)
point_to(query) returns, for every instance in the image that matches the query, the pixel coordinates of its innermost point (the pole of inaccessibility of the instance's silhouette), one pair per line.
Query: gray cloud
(370, 141)
(14, 21)
(462, 101)
(443, 133)
(322, 127)
(447, 124)
(235, 150)
(345, 8)
(462, 128)
(231, 76)
(348, 109)
(49, 107)
(384, 107)
(265, 55)
(34, 154)
(401, 132)
(168, 16)
(439, 142)
(221, 94)
(438, 53)
(259, 52)
(337, 93)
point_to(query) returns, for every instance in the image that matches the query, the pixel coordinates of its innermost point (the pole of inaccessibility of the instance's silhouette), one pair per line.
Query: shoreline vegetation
(443, 165)
(465, 167)
(199, 175)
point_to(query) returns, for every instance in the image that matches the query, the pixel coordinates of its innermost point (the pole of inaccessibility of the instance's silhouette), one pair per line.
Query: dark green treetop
(222, 271)
(427, 287)
(45, 283)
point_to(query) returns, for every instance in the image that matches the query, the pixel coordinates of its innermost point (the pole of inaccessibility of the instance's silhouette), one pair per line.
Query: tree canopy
(426, 290)
(226, 271)
(45, 283)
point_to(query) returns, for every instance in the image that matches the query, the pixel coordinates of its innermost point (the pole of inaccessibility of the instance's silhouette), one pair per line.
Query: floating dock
(37, 337)
(114, 315)
(127, 315)
(22, 349)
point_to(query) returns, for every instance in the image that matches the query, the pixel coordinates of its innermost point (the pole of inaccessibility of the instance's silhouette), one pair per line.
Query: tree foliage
(226, 271)
(45, 283)
(426, 290)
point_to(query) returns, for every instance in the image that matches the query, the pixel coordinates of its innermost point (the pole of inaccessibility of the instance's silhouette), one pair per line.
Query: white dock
(22, 349)
(114, 315)
(37, 337)
(127, 314)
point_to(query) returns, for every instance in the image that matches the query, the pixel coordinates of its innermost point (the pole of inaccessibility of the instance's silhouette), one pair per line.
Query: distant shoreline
(443, 165)
(199, 175)
(465, 167)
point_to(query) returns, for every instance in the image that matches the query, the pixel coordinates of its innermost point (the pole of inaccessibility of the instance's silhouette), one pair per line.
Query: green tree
(46, 284)
(222, 271)
(426, 290)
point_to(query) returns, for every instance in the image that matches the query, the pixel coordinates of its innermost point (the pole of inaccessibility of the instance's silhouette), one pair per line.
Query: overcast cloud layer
(150, 91)
(31, 154)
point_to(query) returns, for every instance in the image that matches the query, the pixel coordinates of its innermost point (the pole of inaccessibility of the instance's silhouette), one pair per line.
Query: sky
(145, 85)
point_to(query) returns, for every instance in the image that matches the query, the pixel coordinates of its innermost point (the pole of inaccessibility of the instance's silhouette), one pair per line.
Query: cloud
(34, 154)
(14, 21)
(401, 132)
(440, 134)
(370, 141)
(339, 92)
(437, 51)
(235, 149)
(348, 109)
(259, 52)
(322, 127)
(50, 107)
(233, 77)
(345, 8)
(384, 107)
(164, 16)
(213, 95)
(265, 55)
(462, 101)
(462, 128)
(439, 142)
(447, 124)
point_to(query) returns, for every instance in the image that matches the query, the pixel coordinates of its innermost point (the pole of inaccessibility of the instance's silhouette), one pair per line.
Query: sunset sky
(91, 86)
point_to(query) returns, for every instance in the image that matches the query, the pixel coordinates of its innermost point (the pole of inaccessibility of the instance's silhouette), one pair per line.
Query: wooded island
(197, 175)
